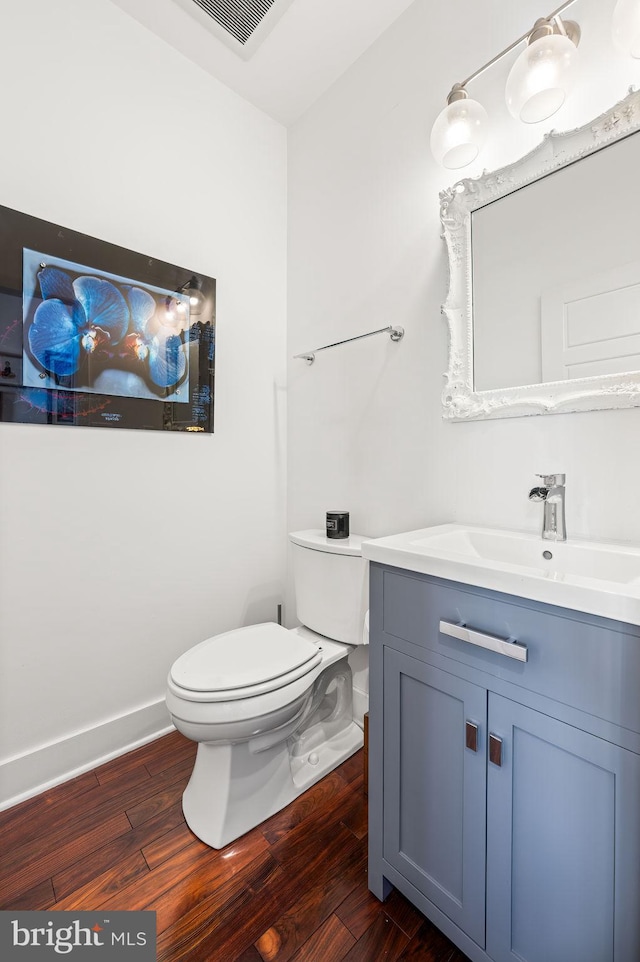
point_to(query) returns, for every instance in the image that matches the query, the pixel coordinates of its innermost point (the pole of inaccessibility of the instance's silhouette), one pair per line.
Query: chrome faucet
(551, 491)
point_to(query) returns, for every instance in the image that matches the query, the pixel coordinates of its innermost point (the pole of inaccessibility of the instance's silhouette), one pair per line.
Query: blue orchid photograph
(90, 331)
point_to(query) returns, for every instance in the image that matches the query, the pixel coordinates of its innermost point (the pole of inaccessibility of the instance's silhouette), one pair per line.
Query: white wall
(365, 426)
(120, 549)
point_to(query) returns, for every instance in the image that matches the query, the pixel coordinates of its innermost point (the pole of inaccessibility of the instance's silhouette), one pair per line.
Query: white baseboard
(35, 771)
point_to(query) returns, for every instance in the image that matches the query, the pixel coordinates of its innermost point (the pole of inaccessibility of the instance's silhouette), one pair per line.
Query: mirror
(544, 258)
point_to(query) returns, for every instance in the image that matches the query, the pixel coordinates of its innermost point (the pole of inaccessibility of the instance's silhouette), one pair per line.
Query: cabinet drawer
(577, 659)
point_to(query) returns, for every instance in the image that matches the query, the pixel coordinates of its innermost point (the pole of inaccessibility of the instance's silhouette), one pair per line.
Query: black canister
(337, 524)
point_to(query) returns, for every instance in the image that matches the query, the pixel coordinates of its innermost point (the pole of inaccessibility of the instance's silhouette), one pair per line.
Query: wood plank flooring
(292, 890)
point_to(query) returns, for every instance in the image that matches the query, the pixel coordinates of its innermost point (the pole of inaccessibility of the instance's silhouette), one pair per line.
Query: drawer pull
(501, 645)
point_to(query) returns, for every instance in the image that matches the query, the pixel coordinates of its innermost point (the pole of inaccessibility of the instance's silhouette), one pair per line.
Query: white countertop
(599, 578)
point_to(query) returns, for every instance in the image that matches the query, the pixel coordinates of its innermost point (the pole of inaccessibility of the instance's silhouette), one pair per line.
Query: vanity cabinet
(505, 794)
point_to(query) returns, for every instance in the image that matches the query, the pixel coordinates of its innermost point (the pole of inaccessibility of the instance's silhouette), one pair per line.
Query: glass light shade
(625, 27)
(541, 78)
(459, 132)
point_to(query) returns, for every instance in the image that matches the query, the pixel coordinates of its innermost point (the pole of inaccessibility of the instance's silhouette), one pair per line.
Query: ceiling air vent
(241, 24)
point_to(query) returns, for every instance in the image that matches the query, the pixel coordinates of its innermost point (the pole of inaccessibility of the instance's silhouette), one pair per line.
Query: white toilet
(270, 707)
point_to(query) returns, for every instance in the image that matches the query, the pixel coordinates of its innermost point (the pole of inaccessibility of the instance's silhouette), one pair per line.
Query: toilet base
(234, 787)
(228, 793)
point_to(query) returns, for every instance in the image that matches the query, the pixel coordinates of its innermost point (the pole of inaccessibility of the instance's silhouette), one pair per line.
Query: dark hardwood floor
(292, 889)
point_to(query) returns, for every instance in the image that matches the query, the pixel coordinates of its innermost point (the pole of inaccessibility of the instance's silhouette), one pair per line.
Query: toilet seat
(243, 663)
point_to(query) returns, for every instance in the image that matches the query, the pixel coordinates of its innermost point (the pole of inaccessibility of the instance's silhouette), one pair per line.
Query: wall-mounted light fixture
(460, 130)
(537, 86)
(544, 73)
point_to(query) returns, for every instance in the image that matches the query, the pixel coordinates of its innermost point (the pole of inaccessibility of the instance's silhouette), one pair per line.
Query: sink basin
(581, 559)
(596, 577)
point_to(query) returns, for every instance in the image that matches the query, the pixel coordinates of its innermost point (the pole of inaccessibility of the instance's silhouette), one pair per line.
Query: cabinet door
(563, 843)
(435, 787)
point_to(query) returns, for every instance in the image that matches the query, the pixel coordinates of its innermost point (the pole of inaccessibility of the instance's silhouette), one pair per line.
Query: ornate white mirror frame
(461, 402)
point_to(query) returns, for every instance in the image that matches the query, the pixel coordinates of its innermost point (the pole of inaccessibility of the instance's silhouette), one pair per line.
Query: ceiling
(310, 46)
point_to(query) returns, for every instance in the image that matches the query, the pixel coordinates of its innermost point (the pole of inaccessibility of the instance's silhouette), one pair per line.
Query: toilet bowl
(272, 708)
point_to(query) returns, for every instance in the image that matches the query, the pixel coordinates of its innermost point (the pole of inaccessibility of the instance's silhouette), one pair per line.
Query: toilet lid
(259, 655)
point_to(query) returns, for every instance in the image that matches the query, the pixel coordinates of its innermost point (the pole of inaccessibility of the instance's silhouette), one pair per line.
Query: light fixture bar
(511, 46)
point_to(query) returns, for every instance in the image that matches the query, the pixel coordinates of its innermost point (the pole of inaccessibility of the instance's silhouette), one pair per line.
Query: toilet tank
(331, 582)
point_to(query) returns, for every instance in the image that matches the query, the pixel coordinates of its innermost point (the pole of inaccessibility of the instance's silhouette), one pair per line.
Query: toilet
(271, 708)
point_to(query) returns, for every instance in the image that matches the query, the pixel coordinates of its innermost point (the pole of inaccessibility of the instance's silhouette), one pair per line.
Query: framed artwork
(97, 335)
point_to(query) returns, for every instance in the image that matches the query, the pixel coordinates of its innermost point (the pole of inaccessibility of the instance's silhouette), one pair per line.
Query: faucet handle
(552, 480)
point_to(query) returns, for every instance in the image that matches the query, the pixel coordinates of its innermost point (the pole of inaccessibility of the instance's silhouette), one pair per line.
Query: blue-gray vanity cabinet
(521, 842)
